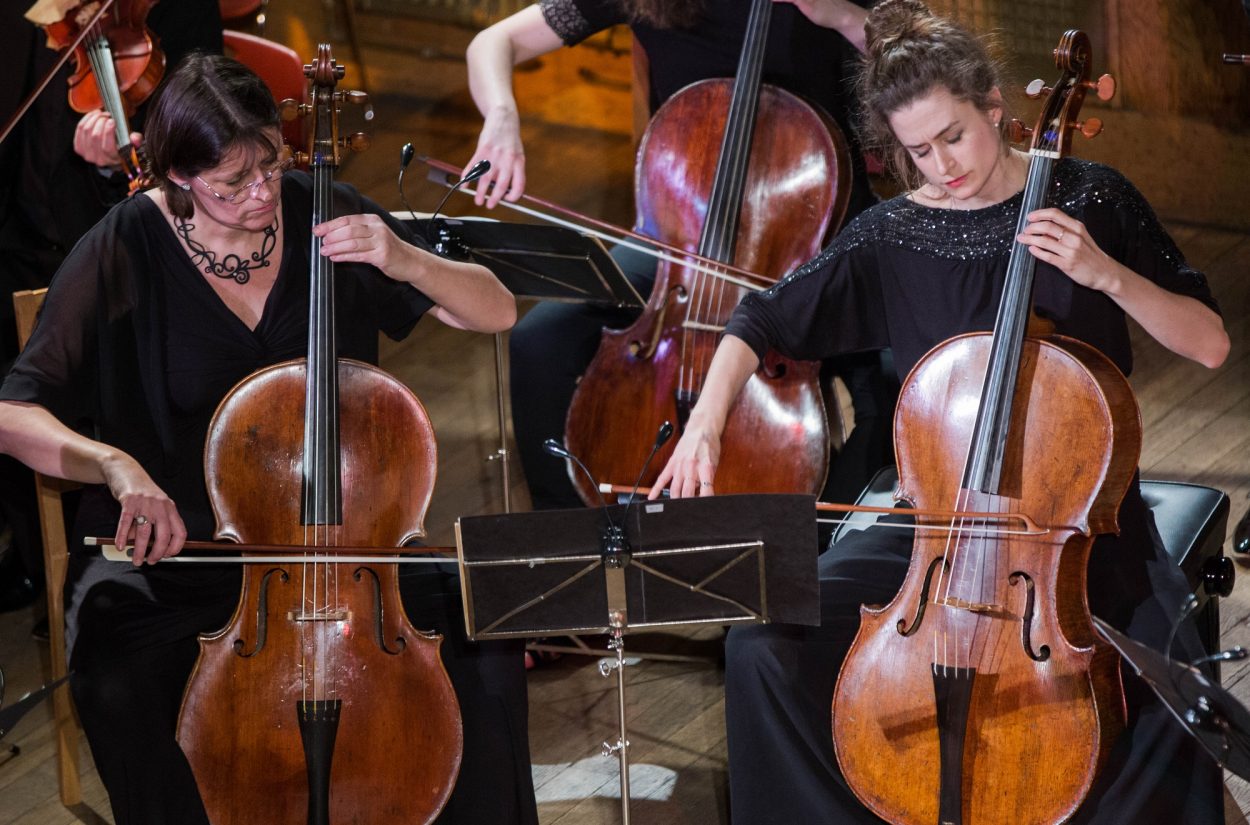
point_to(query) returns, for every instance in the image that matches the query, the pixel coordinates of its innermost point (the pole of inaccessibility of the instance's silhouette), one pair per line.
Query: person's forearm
(36, 438)
(1182, 324)
(731, 367)
(468, 295)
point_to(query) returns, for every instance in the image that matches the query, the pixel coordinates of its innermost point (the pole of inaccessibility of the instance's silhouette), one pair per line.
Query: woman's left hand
(1063, 242)
(359, 239)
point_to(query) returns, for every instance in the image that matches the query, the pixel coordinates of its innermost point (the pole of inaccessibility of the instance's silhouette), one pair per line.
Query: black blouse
(135, 348)
(908, 276)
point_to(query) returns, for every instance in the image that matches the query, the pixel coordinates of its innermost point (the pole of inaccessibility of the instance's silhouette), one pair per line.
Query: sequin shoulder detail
(566, 20)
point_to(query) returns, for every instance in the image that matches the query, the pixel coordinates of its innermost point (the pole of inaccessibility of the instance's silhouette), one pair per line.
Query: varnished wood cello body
(981, 695)
(319, 703)
(766, 202)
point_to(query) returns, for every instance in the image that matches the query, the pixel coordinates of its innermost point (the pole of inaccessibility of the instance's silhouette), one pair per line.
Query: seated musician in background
(809, 52)
(179, 293)
(910, 273)
(58, 176)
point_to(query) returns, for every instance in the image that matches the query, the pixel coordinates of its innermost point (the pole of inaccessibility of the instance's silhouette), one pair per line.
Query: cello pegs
(357, 141)
(1017, 132)
(1104, 87)
(354, 97)
(291, 109)
(1036, 88)
(1090, 127)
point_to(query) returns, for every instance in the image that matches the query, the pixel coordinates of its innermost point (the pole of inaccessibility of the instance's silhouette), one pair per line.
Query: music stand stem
(621, 747)
(501, 454)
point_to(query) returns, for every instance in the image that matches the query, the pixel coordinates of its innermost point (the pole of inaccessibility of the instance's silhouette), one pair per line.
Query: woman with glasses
(173, 298)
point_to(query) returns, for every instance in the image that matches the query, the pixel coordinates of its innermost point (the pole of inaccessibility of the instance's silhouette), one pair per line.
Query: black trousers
(779, 682)
(553, 344)
(134, 646)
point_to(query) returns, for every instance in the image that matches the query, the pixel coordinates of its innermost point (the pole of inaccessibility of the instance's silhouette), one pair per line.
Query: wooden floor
(1197, 429)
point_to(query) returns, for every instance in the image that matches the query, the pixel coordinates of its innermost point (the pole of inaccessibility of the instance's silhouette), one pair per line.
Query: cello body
(1000, 702)
(762, 189)
(1017, 726)
(319, 703)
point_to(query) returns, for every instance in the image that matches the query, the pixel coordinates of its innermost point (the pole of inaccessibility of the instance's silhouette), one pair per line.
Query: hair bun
(892, 22)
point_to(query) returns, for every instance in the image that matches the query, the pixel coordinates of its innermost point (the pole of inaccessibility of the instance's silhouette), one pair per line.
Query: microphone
(661, 438)
(613, 542)
(442, 247)
(555, 448)
(406, 155)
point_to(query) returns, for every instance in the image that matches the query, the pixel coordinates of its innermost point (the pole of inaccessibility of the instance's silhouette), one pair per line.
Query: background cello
(320, 674)
(1001, 704)
(766, 201)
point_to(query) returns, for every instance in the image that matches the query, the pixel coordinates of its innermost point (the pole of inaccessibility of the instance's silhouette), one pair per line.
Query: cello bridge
(319, 616)
(971, 607)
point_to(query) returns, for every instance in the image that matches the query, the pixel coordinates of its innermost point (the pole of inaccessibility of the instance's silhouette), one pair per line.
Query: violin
(320, 702)
(1001, 702)
(117, 64)
(744, 174)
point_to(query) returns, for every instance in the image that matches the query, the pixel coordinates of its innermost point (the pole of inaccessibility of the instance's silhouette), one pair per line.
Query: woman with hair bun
(908, 274)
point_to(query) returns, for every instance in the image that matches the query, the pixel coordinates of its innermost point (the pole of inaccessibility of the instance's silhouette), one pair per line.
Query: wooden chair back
(26, 304)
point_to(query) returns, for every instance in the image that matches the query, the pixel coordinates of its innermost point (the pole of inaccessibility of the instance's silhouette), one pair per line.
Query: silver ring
(141, 520)
(705, 484)
(1060, 236)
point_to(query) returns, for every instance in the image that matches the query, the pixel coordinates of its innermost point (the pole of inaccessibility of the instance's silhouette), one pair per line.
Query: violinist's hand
(500, 143)
(95, 139)
(1062, 241)
(149, 517)
(692, 467)
(361, 239)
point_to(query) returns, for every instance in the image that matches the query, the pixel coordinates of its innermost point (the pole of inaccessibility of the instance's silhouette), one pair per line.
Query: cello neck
(1051, 138)
(720, 226)
(323, 493)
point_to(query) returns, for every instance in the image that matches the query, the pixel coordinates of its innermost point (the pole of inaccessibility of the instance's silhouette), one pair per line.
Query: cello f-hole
(262, 615)
(378, 630)
(1026, 621)
(901, 627)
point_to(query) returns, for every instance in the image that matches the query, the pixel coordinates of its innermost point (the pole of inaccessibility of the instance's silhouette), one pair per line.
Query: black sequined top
(908, 276)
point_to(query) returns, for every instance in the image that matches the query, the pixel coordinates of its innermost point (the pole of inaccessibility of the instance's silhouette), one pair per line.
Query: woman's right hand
(149, 518)
(500, 143)
(691, 469)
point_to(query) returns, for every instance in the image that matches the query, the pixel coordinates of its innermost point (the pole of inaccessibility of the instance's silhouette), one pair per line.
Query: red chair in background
(281, 69)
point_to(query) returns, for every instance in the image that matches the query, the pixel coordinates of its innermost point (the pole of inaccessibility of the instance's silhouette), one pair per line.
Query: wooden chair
(282, 70)
(48, 492)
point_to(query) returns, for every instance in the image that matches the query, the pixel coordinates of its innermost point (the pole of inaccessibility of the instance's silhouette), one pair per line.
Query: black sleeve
(58, 369)
(398, 305)
(575, 20)
(831, 305)
(1134, 237)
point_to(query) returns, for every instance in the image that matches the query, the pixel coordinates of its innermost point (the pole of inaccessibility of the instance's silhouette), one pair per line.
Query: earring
(186, 187)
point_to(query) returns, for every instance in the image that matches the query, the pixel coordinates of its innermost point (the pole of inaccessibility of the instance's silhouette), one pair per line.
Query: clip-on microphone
(446, 244)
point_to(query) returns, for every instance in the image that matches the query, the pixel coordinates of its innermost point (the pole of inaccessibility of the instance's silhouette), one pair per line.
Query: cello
(1001, 702)
(117, 65)
(782, 165)
(296, 710)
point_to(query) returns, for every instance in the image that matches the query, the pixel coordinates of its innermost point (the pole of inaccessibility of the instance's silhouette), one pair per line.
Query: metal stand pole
(621, 746)
(501, 454)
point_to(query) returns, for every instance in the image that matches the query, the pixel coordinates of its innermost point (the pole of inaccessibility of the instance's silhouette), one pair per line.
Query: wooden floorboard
(1197, 428)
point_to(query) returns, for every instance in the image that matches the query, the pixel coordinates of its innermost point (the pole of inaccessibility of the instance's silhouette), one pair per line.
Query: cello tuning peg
(357, 141)
(1089, 127)
(291, 109)
(1036, 88)
(1104, 87)
(1017, 132)
(353, 97)
(301, 159)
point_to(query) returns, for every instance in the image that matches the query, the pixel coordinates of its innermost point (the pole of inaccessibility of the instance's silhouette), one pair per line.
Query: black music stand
(656, 564)
(542, 263)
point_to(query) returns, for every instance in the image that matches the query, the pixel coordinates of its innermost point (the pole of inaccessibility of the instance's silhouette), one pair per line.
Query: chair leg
(56, 562)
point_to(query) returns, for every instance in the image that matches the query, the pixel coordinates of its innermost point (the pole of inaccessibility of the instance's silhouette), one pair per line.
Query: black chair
(1191, 520)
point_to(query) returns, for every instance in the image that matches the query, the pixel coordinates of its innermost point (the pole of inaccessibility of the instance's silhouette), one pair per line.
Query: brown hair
(910, 52)
(664, 14)
(207, 107)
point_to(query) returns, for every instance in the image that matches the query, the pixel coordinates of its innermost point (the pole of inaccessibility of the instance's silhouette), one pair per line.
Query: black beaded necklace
(232, 266)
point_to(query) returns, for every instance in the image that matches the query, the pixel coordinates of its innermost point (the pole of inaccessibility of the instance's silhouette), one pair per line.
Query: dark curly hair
(910, 52)
(206, 108)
